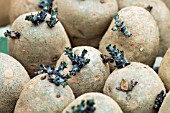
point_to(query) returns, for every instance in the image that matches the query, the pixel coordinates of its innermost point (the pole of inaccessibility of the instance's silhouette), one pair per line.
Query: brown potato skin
(164, 70)
(41, 96)
(86, 21)
(103, 103)
(165, 105)
(13, 77)
(37, 44)
(4, 9)
(143, 95)
(92, 77)
(19, 7)
(143, 45)
(161, 14)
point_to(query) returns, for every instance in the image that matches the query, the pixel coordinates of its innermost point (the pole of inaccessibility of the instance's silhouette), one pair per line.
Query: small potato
(4, 10)
(161, 14)
(92, 76)
(142, 46)
(165, 105)
(13, 77)
(37, 44)
(141, 98)
(86, 21)
(19, 7)
(103, 103)
(164, 70)
(41, 96)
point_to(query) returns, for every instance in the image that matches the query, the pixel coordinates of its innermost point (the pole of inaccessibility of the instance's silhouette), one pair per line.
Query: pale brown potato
(143, 95)
(13, 77)
(103, 103)
(86, 21)
(165, 105)
(143, 44)
(92, 76)
(37, 44)
(19, 7)
(167, 2)
(164, 70)
(4, 10)
(161, 14)
(41, 96)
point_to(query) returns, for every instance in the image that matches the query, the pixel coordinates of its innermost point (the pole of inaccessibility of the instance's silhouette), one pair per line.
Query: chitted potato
(164, 70)
(37, 44)
(102, 103)
(4, 9)
(86, 21)
(41, 96)
(142, 97)
(13, 77)
(161, 14)
(142, 46)
(165, 105)
(92, 76)
(19, 7)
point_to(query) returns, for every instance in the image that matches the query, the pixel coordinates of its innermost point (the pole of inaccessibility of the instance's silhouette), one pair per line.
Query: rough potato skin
(4, 9)
(165, 105)
(103, 103)
(142, 97)
(13, 77)
(143, 45)
(161, 14)
(164, 70)
(19, 7)
(86, 21)
(92, 77)
(41, 96)
(37, 44)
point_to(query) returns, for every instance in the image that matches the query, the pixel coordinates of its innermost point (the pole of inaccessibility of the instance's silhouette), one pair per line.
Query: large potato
(164, 70)
(41, 96)
(19, 7)
(143, 44)
(13, 77)
(92, 77)
(142, 97)
(161, 14)
(86, 21)
(165, 105)
(4, 9)
(103, 103)
(37, 44)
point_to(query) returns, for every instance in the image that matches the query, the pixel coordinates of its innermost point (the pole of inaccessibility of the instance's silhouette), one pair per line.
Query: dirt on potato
(13, 77)
(142, 46)
(37, 44)
(139, 99)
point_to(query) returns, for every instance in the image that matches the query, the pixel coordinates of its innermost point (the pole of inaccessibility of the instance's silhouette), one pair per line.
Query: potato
(164, 70)
(91, 77)
(103, 103)
(167, 2)
(161, 14)
(165, 105)
(19, 7)
(37, 44)
(144, 40)
(41, 96)
(13, 77)
(4, 9)
(86, 21)
(142, 97)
